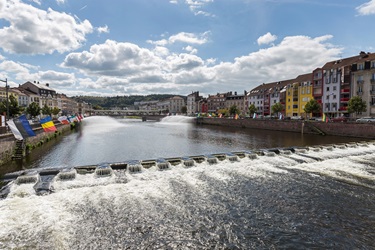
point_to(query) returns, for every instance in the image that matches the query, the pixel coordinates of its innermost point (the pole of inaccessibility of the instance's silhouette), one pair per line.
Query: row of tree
(33, 109)
(355, 105)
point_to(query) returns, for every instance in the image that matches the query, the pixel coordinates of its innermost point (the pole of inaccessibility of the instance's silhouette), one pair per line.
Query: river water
(320, 198)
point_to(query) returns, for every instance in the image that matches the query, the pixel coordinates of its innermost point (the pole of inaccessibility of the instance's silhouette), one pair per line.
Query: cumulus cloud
(266, 39)
(103, 29)
(183, 37)
(294, 55)
(35, 31)
(367, 8)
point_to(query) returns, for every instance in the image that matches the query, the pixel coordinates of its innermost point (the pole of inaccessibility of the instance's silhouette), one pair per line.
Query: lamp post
(7, 100)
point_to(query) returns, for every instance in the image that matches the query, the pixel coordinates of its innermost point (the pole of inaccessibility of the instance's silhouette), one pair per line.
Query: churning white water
(316, 197)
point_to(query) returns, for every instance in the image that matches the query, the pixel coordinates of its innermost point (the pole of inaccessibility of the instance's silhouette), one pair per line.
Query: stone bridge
(145, 114)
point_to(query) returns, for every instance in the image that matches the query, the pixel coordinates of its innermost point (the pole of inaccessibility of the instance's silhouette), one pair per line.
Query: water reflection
(106, 139)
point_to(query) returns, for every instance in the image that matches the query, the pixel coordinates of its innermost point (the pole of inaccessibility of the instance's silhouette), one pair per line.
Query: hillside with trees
(121, 102)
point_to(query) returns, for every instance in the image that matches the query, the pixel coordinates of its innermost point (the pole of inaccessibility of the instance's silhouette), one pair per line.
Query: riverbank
(8, 143)
(348, 129)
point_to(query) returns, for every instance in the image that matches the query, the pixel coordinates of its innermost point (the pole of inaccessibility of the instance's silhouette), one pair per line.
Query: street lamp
(7, 100)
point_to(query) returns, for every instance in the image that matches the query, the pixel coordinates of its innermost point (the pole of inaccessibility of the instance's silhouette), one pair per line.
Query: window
(327, 88)
(360, 66)
(334, 87)
(334, 96)
(373, 64)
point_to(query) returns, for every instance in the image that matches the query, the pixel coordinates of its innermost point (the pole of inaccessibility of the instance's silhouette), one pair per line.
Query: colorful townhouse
(363, 81)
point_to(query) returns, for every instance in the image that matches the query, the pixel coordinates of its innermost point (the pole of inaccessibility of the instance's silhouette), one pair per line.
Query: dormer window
(361, 66)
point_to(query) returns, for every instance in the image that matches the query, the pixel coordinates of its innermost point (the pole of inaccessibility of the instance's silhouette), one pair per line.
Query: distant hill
(119, 101)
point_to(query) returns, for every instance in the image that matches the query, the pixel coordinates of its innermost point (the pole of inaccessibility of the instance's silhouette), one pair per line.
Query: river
(320, 198)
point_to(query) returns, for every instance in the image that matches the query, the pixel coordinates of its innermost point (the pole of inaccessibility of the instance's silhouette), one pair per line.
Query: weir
(43, 180)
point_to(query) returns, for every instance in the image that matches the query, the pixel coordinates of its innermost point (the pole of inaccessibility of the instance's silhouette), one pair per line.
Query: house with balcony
(363, 76)
(216, 102)
(305, 92)
(192, 102)
(236, 100)
(336, 86)
(46, 95)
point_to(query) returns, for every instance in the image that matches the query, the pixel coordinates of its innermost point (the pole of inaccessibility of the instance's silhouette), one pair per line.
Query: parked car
(340, 119)
(296, 117)
(366, 119)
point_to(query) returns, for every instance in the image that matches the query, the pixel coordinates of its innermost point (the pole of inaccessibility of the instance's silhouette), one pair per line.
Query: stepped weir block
(43, 180)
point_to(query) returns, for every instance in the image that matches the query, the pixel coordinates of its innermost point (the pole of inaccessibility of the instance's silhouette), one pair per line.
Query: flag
(20, 127)
(63, 120)
(281, 117)
(255, 115)
(220, 115)
(325, 118)
(47, 124)
(236, 116)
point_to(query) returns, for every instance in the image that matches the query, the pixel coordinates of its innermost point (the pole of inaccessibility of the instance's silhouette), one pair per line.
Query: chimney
(47, 84)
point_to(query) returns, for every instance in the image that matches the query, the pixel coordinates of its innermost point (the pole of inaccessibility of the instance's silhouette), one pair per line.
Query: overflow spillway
(43, 181)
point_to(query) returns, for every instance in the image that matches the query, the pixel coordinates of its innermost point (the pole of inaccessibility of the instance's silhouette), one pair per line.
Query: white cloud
(103, 29)
(367, 8)
(266, 39)
(183, 37)
(35, 31)
(128, 68)
(196, 5)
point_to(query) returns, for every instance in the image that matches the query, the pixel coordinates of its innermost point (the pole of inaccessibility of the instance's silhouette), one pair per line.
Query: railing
(345, 91)
(360, 81)
(343, 108)
(359, 92)
(344, 99)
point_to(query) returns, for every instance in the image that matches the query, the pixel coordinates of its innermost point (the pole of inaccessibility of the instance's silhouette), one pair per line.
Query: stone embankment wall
(349, 129)
(8, 142)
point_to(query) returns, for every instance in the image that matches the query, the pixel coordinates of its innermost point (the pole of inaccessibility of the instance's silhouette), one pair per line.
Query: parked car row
(366, 119)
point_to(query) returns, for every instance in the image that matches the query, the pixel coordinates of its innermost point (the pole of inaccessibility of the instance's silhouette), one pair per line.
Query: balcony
(344, 108)
(344, 83)
(360, 82)
(372, 92)
(359, 93)
(344, 99)
(345, 90)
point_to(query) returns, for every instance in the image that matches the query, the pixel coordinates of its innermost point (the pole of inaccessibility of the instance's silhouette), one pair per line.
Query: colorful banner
(47, 124)
(63, 120)
(20, 127)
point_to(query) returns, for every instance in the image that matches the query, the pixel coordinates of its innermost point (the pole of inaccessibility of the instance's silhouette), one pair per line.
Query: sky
(142, 47)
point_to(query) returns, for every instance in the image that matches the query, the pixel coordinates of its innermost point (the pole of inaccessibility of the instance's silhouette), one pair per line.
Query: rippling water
(315, 199)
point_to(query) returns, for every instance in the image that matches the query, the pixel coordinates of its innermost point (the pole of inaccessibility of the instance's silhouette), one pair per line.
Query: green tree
(184, 109)
(312, 106)
(234, 110)
(277, 108)
(33, 109)
(14, 109)
(356, 105)
(46, 110)
(55, 110)
(224, 112)
(252, 109)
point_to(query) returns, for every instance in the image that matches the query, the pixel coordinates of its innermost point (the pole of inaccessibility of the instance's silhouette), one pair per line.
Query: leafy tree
(224, 112)
(233, 110)
(46, 110)
(184, 109)
(33, 109)
(55, 110)
(14, 109)
(312, 106)
(252, 109)
(356, 105)
(277, 108)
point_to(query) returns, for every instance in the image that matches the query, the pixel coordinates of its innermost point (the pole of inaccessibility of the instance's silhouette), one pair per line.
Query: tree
(356, 105)
(312, 106)
(252, 109)
(224, 112)
(277, 108)
(33, 109)
(184, 110)
(14, 109)
(55, 110)
(46, 110)
(233, 110)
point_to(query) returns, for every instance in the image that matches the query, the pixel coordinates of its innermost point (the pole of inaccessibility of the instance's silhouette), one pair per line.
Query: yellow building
(298, 94)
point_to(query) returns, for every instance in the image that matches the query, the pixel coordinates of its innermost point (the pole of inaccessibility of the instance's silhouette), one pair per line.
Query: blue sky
(141, 47)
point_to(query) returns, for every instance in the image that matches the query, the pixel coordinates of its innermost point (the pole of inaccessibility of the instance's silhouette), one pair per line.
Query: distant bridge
(145, 114)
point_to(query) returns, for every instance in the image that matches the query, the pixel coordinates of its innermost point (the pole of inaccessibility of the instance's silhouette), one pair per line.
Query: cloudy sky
(128, 47)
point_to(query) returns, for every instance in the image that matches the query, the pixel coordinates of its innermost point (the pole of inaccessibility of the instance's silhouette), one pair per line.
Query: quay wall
(8, 142)
(349, 129)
